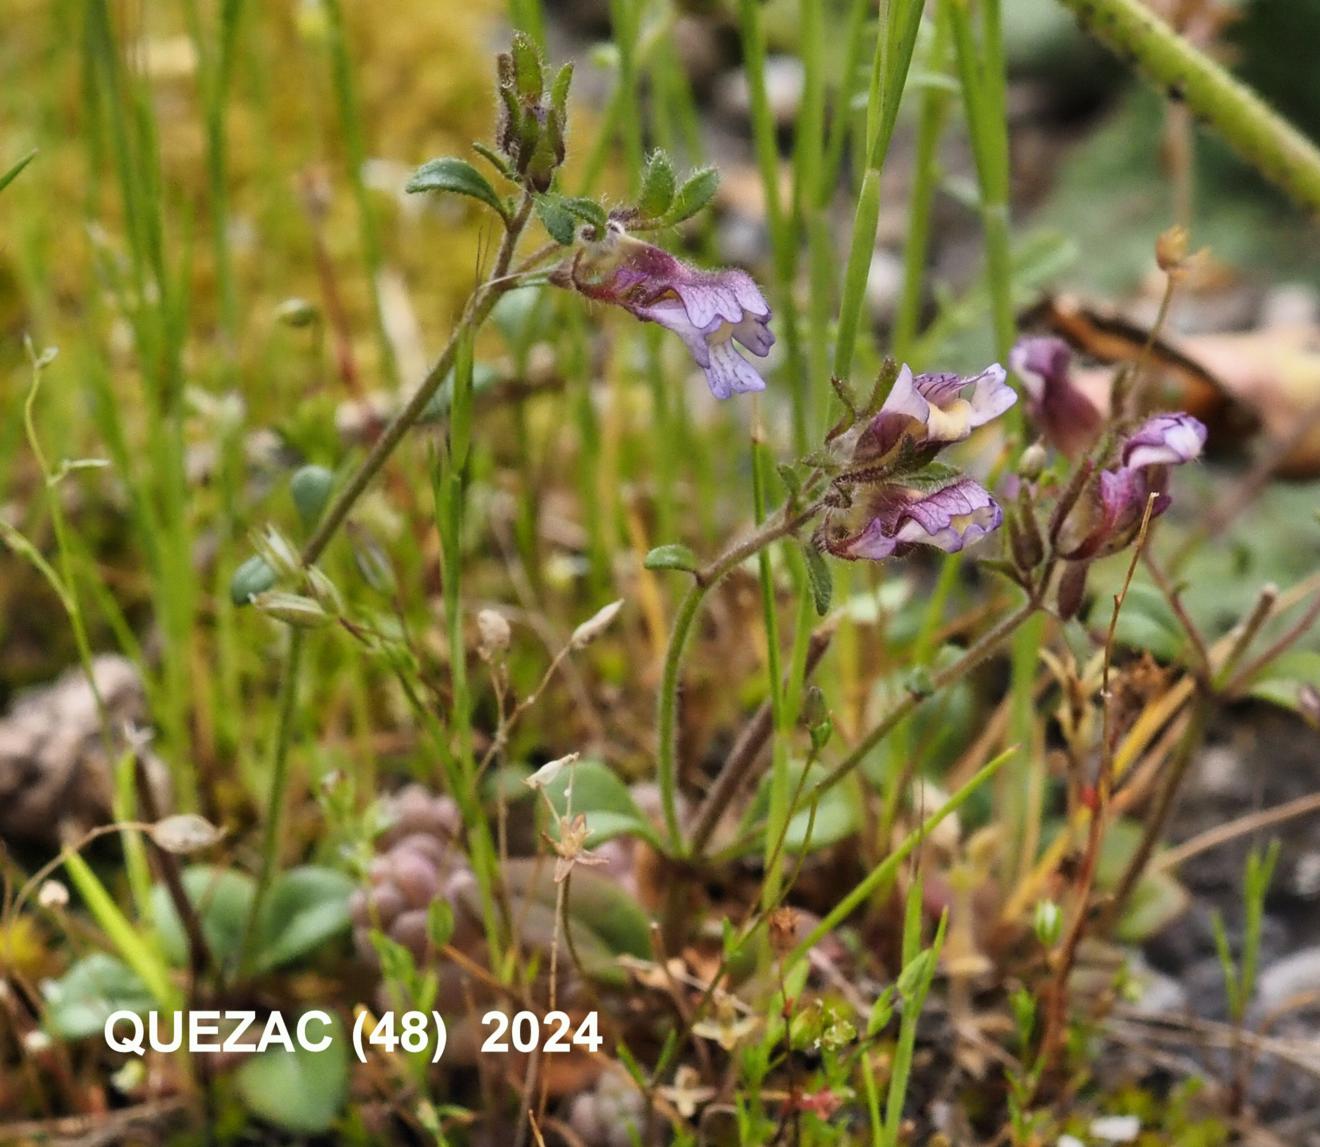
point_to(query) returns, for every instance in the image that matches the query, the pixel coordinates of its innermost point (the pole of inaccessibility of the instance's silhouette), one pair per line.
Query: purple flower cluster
(1066, 417)
(1121, 495)
(922, 414)
(710, 311)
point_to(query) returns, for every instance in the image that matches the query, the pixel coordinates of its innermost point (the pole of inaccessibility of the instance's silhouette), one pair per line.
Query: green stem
(704, 580)
(476, 312)
(350, 120)
(1260, 135)
(959, 669)
(934, 117)
(888, 868)
(279, 785)
(981, 70)
(895, 40)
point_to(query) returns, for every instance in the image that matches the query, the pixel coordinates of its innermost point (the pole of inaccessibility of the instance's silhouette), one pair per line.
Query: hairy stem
(1263, 138)
(780, 525)
(474, 314)
(973, 657)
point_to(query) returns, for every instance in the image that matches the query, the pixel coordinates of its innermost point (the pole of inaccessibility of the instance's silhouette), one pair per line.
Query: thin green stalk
(625, 17)
(901, 1072)
(128, 940)
(888, 868)
(705, 579)
(1260, 135)
(974, 656)
(350, 122)
(272, 836)
(780, 223)
(779, 778)
(895, 40)
(476, 312)
(930, 127)
(981, 71)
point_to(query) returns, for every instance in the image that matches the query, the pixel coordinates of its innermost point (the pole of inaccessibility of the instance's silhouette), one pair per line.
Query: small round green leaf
(300, 1090)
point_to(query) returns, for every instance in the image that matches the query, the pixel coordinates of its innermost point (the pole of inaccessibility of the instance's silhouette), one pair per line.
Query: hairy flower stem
(1264, 139)
(474, 314)
(779, 526)
(976, 653)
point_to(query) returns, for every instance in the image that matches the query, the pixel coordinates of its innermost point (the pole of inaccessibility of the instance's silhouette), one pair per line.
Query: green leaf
(458, 177)
(305, 907)
(672, 557)
(818, 574)
(527, 71)
(1157, 900)
(12, 174)
(559, 91)
(499, 162)
(1282, 680)
(697, 190)
(561, 214)
(301, 1091)
(80, 1001)
(791, 479)
(933, 475)
(222, 899)
(658, 186)
(559, 222)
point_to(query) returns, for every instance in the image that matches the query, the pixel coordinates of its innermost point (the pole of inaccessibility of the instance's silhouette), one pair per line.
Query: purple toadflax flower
(709, 310)
(926, 412)
(898, 506)
(1121, 494)
(1067, 418)
(894, 518)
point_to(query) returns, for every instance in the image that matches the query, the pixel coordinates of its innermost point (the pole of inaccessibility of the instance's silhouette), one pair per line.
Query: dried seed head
(52, 894)
(495, 634)
(783, 930)
(1171, 249)
(595, 625)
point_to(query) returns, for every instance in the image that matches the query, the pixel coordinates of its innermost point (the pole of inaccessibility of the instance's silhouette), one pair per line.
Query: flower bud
(1072, 589)
(293, 609)
(1031, 464)
(254, 576)
(297, 313)
(310, 487)
(1047, 922)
